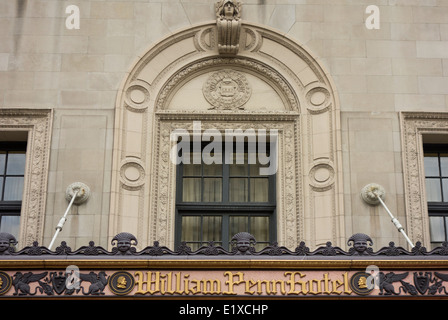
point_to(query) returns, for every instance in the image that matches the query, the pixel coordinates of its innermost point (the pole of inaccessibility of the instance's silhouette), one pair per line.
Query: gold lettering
(260, 286)
(155, 282)
(197, 287)
(282, 286)
(336, 284)
(186, 284)
(346, 284)
(169, 283)
(139, 282)
(214, 285)
(162, 283)
(249, 284)
(314, 283)
(178, 283)
(326, 284)
(230, 282)
(292, 283)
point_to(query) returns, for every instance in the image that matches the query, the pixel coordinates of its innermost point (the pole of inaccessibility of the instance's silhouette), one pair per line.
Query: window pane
(16, 163)
(239, 165)
(255, 169)
(259, 190)
(2, 162)
(445, 190)
(238, 224)
(10, 224)
(193, 169)
(212, 229)
(191, 190)
(431, 163)
(212, 190)
(259, 227)
(437, 229)
(13, 189)
(191, 231)
(444, 164)
(433, 191)
(213, 169)
(446, 230)
(1, 189)
(238, 190)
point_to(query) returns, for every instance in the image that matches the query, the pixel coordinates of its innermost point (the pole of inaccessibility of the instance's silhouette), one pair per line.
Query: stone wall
(377, 73)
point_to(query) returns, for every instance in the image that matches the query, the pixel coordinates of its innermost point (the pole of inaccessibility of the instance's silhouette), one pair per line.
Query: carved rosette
(137, 96)
(318, 100)
(132, 174)
(322, 176)
(227, 89)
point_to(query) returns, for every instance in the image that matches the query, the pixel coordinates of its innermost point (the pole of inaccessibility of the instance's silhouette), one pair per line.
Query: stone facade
(351, 104)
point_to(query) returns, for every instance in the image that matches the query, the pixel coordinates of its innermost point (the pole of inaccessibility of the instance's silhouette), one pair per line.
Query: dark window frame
(225, 208)
(7, 207)
(438, 208)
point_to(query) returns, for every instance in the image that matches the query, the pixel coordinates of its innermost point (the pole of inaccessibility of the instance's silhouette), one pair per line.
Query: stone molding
(289, 199)
(413, 126)
(38, 124)
(308, 125)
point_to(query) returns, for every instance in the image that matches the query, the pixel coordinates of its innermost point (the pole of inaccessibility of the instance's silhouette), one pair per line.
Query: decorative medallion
(5, 282)
(322, 175)
(227, 89)
(318, 100)
(132, 173)
(121, 283)
(137, 96)
(359, 285)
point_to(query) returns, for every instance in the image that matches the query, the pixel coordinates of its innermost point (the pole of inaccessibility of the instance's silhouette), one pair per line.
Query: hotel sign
(214, 272)
(212, 282)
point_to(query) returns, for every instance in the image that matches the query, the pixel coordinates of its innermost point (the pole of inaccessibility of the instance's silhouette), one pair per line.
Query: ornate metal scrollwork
(243, 243)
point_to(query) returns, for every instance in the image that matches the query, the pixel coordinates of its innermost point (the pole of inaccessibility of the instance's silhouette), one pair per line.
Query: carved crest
(58, 280)
(422, 281)
(227, 89)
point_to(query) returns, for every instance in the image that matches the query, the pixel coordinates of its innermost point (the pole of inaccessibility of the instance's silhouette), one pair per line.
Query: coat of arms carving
(226, 90)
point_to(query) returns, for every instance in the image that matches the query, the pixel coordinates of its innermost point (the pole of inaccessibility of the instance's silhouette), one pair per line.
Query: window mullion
(225, 230)
(225, 181)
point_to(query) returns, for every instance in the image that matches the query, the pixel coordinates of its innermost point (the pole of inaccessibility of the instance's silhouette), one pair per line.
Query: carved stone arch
(164, 91)
(246, 65)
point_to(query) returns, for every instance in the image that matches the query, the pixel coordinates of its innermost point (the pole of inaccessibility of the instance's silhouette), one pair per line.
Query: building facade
(185, 122)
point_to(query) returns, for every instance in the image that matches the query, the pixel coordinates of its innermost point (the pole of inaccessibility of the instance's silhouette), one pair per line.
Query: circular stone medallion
(227, 89)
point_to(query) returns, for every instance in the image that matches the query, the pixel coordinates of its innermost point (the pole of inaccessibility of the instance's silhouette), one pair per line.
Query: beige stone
(292, 52)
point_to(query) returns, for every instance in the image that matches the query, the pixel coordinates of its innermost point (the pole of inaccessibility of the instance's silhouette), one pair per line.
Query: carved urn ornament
(228, 13)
